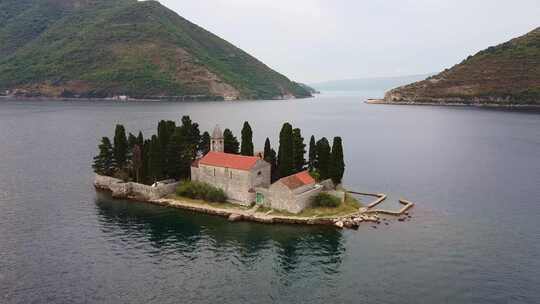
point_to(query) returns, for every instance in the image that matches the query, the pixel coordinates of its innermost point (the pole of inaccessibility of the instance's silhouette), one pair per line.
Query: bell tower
(216, 142)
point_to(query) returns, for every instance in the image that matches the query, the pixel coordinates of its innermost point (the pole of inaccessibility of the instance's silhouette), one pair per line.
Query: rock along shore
(456, 104)
(158, 196)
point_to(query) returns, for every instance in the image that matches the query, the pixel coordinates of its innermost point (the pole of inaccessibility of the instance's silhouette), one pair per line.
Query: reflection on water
(193, 235)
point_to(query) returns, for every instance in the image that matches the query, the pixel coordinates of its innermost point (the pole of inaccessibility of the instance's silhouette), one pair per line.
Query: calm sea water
(474, 236)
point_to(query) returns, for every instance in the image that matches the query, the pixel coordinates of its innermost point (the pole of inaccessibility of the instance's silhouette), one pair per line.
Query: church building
(237, 175)
(247, 179)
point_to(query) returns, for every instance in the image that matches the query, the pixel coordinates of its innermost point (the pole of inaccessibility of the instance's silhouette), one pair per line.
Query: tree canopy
(230, 142)
(247, 140)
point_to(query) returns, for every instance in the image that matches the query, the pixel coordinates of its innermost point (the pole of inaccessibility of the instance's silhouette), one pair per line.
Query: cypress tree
(140, 139)
(299, 150)
(120, 148)
(204, 146)
(286, 151)
(137, 162)
(104, 161)
(337, 167)
(132, 141)
(165, 130)
(267, 148)
(247, 140)
(312, 160)
(145, 170)
(155, 160)
(191, 138)
(323, 158)
(230, 143)
(270, 157)
(174, 154)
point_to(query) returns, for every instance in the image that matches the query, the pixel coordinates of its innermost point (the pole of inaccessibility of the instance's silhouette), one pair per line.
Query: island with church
(218, 174)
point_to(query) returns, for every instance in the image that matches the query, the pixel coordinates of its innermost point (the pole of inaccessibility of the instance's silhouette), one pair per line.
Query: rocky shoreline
(161, 195)
(111, 99)
(456, 104)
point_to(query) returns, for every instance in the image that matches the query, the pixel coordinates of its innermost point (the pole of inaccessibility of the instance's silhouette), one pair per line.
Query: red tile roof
(297, 180)
(226, 160)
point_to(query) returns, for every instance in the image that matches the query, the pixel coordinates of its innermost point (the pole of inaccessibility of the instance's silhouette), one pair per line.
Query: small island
(217, 174)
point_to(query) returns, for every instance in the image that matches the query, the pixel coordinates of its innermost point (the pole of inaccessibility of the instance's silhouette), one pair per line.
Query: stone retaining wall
(121, 189)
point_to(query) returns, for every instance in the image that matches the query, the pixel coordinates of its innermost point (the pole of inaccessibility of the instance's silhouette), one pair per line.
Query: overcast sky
(318, 40)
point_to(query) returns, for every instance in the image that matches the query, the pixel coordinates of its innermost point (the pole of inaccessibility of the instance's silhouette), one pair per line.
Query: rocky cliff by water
(506, 74)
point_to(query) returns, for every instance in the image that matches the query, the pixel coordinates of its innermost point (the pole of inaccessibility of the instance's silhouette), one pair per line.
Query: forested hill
(104, 48)
(505, 74)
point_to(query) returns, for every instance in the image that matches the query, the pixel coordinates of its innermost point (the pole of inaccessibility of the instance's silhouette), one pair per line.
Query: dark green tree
(132, 141)
(120, 148)
(204, 146)
(191, 138)
(312, 160)
(286, 151)
(155, 160)
(299, 150)
(137, 162)
(104, 161)
(247, 140)
(337, 164)
(230, 142)
(165, 131)
(174, 154)
(140, 139)
(145, 170)
(270, 157)
(323, 158)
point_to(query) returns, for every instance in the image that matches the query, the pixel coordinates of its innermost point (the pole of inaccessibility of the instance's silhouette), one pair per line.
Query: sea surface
(474, 235)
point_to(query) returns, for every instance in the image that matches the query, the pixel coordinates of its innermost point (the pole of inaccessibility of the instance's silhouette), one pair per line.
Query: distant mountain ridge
(105, 48)
(375, 83)
(508, 73)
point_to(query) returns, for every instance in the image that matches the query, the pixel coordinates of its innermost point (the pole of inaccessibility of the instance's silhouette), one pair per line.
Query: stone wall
(305, 199)
(337, 193)
(280, 197)
(328, 184)
(237, 184)
(121, 189)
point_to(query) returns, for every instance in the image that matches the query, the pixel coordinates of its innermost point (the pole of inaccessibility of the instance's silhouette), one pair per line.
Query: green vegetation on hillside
(506, 73)
(142, 49)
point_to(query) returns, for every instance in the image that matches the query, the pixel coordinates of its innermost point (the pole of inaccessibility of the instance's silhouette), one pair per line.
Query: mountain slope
(505, 74)
(100, 48)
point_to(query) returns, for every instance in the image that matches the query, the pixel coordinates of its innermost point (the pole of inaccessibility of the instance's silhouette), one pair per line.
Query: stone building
(293, 193)
(237, 175)
(246, 179)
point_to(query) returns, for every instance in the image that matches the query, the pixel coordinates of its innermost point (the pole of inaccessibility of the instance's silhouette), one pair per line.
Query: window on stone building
(214, 172)
(230, 174)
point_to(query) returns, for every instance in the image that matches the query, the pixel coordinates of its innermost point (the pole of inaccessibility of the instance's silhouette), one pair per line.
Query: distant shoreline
(44, 99)
(456, 104)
